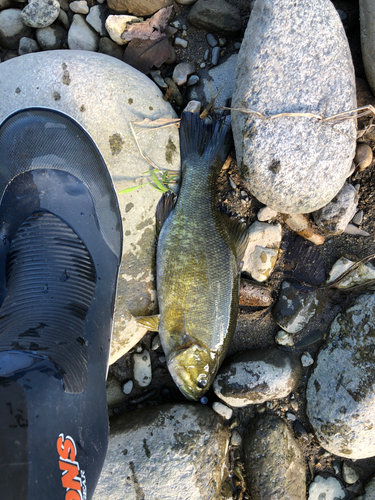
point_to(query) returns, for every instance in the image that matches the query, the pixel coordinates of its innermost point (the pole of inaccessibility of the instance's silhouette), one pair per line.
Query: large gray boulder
(104, 95)
(367, 19)
(166, 452)
(294, 58)
(341, 388)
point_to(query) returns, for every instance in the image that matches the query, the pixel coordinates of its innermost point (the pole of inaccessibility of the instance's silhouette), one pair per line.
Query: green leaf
(161, 186)
(129, 190)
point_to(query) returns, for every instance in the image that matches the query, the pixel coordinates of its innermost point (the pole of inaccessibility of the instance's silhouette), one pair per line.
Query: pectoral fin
(239, 234)
(164, 207)
(150, 322)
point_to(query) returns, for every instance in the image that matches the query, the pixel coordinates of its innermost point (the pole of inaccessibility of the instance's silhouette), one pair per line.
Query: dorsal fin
(164, 207)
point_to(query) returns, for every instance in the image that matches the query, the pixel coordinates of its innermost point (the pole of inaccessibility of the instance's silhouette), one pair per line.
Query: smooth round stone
(215, 55)
(222, 410)
(97, 18)
(211, 40)
(64, 19)
(349, 475)
(138, 7)
(12, 29)
(40, 13)
(256, 376)
(363, 156)
(79, 7)
(51, 38)
(274, 462)
(341, 389)
(127, 387)
(193, 80)
(182, 71)
(27, 45)
(294, 164)
(81, 36)
(171, 451)
(78, 83)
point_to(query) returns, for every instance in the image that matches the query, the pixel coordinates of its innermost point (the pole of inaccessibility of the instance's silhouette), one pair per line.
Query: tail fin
(212, 141)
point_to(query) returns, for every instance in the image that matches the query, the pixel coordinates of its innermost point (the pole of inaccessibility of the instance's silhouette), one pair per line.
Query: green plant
(160, 184)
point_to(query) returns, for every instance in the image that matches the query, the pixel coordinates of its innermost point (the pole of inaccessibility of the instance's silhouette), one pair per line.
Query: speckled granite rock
(257, 375)
(169, 452)
(274, 463)
(294, 164)
(56, 79)
(367, 18)
(40, 13)
(341, 389)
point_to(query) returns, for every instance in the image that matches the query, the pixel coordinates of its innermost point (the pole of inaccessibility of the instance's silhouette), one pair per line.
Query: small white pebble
(184, 33)
(202, 65)
(235, 439)
(266, 213)
(291, 417)
(176, 24)
(142, 372)
(138, 348)
(306, 359)
(206, 54)
(127, 387)
(222, 410)
(193, 107)
(284, 338)
(180, 42)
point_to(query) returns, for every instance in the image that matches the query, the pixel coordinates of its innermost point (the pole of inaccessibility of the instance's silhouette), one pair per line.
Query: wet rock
(310, 339)
(294, 164)
(51, 38)
(223, 410)
(274, 463)
(215, 55)
(138, 7)
(182, 71)
(329, 489)
(96, 19)
(27, 45)
(115, 395)
(215, 15)
(349, 475)
(142, 371)
(56, 80)
(284, 338)
(219, 78)
(262, 250)
(12, 28)
(340, 391)
(81, 36)
(363, 156)
(148, 450)
(79, 7)
(334, 217)
(363, 273)
(367, 20)
(294, 308)
(266, 214)
(40, 13)
(302, 226)
(257, 375)
(116, 25)
(110, 48)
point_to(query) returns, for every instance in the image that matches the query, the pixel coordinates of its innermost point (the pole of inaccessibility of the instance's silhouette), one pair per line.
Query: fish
(198, 262)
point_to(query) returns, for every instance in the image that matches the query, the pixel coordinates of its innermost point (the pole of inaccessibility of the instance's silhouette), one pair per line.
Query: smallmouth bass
(199, 251)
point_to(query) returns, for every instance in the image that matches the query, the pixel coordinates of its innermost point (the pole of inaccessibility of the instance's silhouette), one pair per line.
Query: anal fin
(150, 322)
(164, 208)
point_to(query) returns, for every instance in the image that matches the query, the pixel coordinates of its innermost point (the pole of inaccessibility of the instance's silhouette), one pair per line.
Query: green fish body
(199, 252)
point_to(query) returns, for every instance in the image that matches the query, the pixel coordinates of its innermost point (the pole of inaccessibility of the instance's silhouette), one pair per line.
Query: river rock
(109, 47)
(257, 375)
(341, 388)
(168, 452)
(294, 164)
(336, 215)
(40, 13)
(328, 488)
(138, 7)
(78, 83)
(215, 15)
(116, 25)
(12, 28)
(294, 308)
(51, 38)
(274, 462)
(262, 250)
(81, 36)
(97, 18)
(79, 7)
(27, 45)
(367, 19)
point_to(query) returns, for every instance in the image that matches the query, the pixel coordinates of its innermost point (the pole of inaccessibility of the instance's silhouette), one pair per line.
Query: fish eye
(202, 384)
